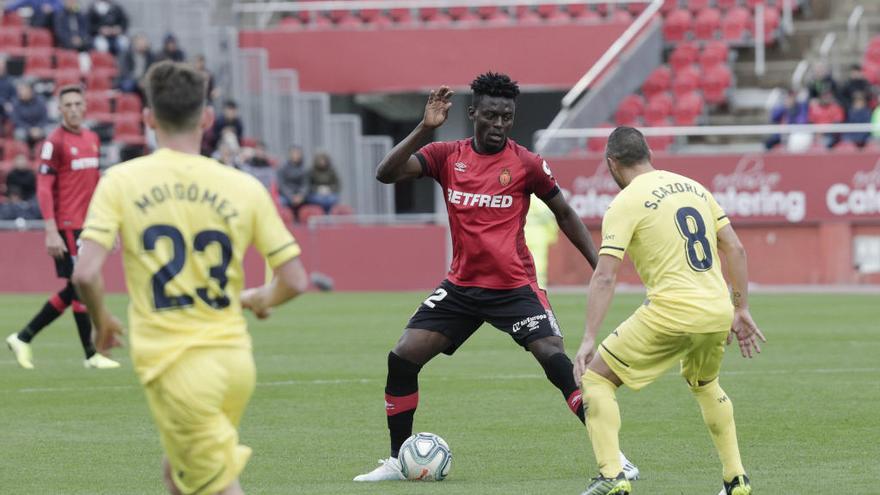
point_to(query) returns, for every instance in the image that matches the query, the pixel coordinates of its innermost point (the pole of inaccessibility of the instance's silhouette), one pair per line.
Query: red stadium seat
(688, 109)
(771, 23)
(98, 106)
(463, 15)
(707, 23)
(12, 148)
(39, 38)
(715, 83)
(39, 65)
(493, 15)
(726, 4)
(660, 143)
(67, 77)
(526, 16)
(686, 80)
(696, 5)
(597, 144)
(290, 21)
(11, 37)
(433, 16)
(341, 209)
(677, 24)
(620, 15)
(129, 132)
(344, 18)
(636, 8)
(128, 103)
(96, 81)
(714, 53)
(735, 24)
(658, 81)
(374, 17)
(668, 6)
(309, 211)
(11, 19)
(66, 59)
(659, 107)
(400, 16)
(630, 109)
(684, 54)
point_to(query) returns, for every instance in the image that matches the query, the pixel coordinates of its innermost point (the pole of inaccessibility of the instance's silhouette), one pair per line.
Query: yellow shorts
(639, 353)
(197, 404)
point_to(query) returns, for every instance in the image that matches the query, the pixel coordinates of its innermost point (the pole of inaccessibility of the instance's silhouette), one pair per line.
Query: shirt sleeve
(718, 214)
(105, 213)
(618, 227)
(271, 237)
(50, 157)
(433, 157)
(541, 181)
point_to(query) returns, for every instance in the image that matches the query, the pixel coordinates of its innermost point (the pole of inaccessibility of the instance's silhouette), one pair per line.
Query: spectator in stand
(323, 183)
(227, 154)
(257, 164)
(7, 92)
(107, 26)
(133, 65)
(202, 66)
(72, 27)
(875, 123)
(227, 119)
(826, 110)
(29, 115)
(41, 11)
(21, 180)
(858, 113)
(293, 181)
(857, 83)
(821, 81)
(788, 111)
(170, 50)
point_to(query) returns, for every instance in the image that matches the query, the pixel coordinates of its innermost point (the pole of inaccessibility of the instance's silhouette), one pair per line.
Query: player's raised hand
(55, 244)
(748, 335)
(437, 108)
(253, 300)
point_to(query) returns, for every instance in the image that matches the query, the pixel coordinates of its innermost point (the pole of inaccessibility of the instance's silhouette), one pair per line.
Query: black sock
(560, 372)
(84, 327)
(50, 311)
(401, 399)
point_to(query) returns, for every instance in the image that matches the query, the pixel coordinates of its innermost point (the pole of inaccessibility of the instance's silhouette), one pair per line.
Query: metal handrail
(855, 26)
(720, 130)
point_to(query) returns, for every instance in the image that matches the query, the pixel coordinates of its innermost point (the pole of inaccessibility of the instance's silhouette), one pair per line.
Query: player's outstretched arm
(574, 228)
(744, 328)
(602, 285)
(290, 280)
(90, 286)
(400, 164)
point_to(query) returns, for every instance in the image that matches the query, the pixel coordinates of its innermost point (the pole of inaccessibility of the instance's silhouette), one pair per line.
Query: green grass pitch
(806, 409)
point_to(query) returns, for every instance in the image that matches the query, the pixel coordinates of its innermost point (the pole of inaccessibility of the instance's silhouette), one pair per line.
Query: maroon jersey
(487, 198)
(68, 176)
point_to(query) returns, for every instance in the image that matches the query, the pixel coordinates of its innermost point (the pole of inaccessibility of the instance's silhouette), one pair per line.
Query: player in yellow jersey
(673, 230)
(185, 222)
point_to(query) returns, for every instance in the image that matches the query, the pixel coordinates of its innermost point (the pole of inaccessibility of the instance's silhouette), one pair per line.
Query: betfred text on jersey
(479, 200)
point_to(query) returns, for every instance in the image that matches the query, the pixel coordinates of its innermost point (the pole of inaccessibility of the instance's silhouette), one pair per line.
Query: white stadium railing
(720, 130)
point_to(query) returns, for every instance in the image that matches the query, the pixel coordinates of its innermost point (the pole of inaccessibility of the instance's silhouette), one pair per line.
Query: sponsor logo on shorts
(530, 324)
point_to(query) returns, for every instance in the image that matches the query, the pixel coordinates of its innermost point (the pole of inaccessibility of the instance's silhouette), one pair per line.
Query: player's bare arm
(574, 228)
(747, 332)
(400, 163)
(599, 300)
(290, 280)
(90, 285)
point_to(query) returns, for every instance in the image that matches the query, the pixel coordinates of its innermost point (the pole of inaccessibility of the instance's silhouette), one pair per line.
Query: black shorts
(64, 264)
(457, 312)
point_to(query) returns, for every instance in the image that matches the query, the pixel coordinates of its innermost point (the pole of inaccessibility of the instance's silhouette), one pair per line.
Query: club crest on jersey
(460, 167)
(504, 178)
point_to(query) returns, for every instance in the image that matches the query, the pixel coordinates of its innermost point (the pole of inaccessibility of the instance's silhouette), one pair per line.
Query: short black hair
(70, 88)
(176, 93)
(230, 104)
(627, 146)
(494, 84)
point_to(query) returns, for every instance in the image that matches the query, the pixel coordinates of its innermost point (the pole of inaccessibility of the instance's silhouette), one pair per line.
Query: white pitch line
(363, 381)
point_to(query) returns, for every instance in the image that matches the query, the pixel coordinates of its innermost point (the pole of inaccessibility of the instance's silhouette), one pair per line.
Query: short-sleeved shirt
(73, 158)
(185, 223)
(487, 199)
(668, 225)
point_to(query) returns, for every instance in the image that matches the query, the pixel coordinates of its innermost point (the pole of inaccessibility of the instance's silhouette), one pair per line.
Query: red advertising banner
(757, 188)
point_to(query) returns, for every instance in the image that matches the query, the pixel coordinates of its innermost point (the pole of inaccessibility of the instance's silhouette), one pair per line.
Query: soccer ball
(425, 457)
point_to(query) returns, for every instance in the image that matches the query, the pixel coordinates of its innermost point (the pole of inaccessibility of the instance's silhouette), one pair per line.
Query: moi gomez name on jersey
(751, 188)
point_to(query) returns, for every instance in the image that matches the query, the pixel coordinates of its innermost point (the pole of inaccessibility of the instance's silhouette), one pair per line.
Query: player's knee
(544, 349)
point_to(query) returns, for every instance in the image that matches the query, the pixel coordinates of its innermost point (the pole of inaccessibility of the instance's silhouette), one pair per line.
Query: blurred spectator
(107, 26)
(7, 92)
(821, 81)
(293, 181)
(170, 50)
(825, 110)
(323, 183)
(21, 180)
(40, 11)
(71, 27)
(133, 65)
(17, 208)
(29, 115)
(857, 83)
(788, 111)
(257, 164)
(227, 119)
(227, 154)
(858, 113)
(202, 66)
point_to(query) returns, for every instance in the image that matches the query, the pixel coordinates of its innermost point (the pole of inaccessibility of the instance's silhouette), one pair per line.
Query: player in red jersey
(68, 176)
(488, 181)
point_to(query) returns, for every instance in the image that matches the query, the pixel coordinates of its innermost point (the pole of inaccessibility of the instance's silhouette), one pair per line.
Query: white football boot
(629, 469)
(388, 470)
(100, 362)
(22, 351)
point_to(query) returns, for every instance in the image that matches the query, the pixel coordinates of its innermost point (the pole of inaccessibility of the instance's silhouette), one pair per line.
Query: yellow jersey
(668, 225)
(185, 222)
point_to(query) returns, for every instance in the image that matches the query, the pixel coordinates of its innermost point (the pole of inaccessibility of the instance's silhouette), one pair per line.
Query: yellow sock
(603, 422)
(718, 416)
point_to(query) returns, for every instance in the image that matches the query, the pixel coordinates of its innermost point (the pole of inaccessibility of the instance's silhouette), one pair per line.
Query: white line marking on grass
(364, 381)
